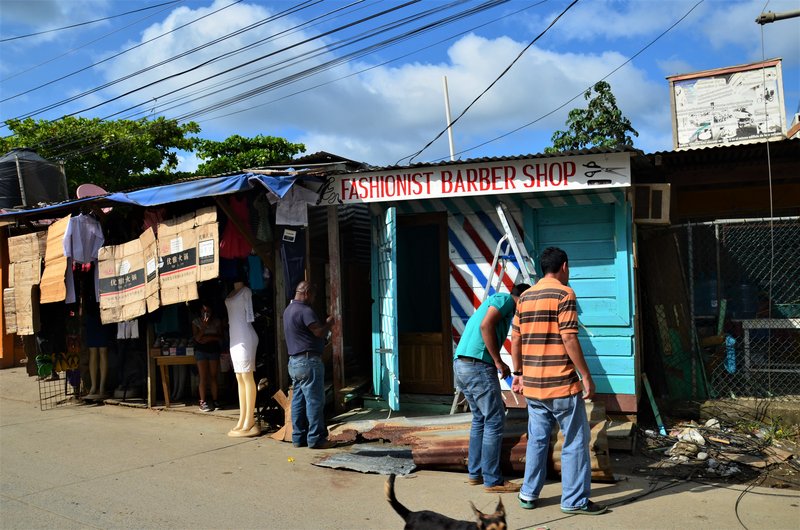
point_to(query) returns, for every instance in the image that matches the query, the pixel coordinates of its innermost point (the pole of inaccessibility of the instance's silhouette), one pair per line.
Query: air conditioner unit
(651, 204)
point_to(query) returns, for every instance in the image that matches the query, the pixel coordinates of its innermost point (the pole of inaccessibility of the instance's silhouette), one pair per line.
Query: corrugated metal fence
(743, 278)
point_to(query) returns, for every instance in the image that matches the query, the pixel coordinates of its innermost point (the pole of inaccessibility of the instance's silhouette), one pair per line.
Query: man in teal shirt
(476, 366)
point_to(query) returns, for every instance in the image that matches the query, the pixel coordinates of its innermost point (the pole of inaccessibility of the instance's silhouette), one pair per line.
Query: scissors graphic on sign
(595, 169)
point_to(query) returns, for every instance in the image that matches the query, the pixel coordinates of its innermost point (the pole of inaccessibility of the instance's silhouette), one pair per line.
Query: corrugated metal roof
(727, 153)
(572, 152)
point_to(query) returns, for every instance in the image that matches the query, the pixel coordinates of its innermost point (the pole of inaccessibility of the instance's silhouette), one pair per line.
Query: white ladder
(512, 241)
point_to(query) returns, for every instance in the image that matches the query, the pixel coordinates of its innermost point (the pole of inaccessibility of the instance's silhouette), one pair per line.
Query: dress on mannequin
(243, 344)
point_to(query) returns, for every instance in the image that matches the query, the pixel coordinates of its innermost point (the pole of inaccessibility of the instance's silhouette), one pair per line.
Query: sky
(364, 79)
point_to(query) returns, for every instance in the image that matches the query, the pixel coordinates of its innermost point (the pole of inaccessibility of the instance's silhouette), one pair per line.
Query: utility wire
(341, 59)
(119, 53)
(474, 10)
(361, 52)
(89, 21)
(85, 44)
(449, 125)
(573, 98)
(293, 9)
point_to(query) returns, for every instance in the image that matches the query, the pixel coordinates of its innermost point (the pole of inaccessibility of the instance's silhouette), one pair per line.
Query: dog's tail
(388, 488)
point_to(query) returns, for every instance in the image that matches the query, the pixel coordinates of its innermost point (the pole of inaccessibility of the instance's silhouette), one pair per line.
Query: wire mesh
(744, 284)
(59, 389)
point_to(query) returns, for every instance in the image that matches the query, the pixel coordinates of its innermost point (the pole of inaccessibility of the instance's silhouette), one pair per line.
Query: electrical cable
(72, 50)
(474, 10)
(119, 53)
(293, 9)
(89, 21)
(450, 125)
(377, 65)
(612, 72)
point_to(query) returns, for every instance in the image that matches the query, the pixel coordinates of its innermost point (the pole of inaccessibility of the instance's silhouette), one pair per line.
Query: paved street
(118, 467)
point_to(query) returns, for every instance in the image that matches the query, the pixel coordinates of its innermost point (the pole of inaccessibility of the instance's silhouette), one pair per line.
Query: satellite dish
(91, 190)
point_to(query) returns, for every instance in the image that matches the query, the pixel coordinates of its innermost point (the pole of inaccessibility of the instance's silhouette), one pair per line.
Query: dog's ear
(500, 510)
(477, 512)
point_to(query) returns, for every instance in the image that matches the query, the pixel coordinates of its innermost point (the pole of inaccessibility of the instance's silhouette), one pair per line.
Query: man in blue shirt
(305, 341)
(476, 366)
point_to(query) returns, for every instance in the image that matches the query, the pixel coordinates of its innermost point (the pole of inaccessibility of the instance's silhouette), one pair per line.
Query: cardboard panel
(9, 310)
(25, 256)
(53, 286)
(122, 282)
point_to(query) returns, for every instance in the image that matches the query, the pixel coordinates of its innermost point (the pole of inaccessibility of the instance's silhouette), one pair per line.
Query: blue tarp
(181, 191)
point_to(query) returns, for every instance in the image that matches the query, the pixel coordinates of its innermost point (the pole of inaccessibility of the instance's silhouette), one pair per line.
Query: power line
(89, 21)
(293, 9)
(573, 98)
(411, 157)
(116, 54)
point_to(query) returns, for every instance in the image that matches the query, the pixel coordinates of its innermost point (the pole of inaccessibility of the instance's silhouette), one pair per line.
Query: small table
(164, 361)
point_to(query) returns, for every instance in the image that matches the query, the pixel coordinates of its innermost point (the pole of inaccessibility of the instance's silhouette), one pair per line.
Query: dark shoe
(505, 487)
(526, 504)
(205, 407)
(299, 444)
(589, 509)
(327, 444)
(475, 481)
(215, 404)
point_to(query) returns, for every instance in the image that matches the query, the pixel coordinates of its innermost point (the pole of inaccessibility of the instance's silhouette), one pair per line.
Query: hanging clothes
(82, 241)
(293, 255)
(233, 244)
(255, 273)
(293, 207)
(264, 226)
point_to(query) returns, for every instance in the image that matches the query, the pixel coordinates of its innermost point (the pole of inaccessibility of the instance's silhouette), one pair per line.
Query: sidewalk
(106, 466)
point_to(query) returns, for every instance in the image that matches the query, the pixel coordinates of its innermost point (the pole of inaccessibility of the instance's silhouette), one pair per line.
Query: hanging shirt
(293, 207)
(82, 241)
(128, 329)
(233, 244)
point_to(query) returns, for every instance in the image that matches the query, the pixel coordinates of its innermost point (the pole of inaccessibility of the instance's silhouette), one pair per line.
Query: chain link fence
(743, 278)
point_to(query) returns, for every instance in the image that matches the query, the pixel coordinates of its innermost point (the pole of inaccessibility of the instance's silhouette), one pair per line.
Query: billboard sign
(728, 105)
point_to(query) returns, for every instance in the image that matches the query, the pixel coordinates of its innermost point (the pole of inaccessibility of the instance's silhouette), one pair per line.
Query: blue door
(384, 307)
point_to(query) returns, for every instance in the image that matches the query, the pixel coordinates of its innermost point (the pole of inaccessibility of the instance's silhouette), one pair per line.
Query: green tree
(601, 124)
(116, 155)
(236, 153)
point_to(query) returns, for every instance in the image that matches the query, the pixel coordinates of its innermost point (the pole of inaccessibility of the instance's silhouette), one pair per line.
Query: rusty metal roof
(572, 152)
(728, 154)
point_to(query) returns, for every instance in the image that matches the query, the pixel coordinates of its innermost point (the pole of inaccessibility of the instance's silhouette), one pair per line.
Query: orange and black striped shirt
(544, 312)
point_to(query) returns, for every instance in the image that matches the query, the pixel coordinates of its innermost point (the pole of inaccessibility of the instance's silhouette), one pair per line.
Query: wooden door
(425, 342)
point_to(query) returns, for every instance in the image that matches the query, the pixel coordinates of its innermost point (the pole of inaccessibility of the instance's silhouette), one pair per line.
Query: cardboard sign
(188, 252)
(126, 289)
(25, 256)
(9, 310)
(150, 256)
(53, 286)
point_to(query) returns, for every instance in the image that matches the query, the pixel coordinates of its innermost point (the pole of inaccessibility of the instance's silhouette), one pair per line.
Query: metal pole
(21, 182)
(447, 113)
(769, 16)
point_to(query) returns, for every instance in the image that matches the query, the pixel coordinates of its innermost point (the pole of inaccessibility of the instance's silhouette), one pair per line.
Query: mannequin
(97, 339)
(243, 344)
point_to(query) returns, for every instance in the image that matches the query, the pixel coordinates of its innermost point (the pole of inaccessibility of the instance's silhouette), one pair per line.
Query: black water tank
(42, 181)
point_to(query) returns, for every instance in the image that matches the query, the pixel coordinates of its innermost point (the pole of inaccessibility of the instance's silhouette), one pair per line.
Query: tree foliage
(601, 124)
(236, 153)
(115, 155)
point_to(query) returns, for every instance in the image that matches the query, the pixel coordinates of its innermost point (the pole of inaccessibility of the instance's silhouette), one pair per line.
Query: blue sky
(382, 104)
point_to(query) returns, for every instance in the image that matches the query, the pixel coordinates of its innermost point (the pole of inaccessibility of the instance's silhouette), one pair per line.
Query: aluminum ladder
(513, 242)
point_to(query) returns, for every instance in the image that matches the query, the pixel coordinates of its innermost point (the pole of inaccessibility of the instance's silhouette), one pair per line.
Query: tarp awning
(180, 191)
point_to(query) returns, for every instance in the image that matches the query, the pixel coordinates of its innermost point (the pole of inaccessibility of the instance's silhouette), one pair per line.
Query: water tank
(27, 179)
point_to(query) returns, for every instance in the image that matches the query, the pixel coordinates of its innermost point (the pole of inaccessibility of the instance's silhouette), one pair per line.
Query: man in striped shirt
(551, 372)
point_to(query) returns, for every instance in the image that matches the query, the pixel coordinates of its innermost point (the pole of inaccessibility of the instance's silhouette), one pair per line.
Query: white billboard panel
(728, 105)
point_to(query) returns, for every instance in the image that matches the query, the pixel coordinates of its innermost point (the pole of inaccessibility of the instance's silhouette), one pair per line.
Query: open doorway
(423, 305)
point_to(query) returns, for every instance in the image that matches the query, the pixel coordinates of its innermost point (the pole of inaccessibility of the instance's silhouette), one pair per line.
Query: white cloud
(21, 17)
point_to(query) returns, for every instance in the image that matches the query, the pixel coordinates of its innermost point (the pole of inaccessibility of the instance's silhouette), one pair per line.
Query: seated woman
(207, 336)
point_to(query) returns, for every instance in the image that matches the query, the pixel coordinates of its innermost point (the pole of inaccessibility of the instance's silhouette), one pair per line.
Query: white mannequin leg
(246, 426)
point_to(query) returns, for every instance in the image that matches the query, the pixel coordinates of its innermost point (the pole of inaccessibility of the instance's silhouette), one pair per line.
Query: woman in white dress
(243, 344)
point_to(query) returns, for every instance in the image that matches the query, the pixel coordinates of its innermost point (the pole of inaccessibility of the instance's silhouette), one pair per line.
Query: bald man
(305, 340)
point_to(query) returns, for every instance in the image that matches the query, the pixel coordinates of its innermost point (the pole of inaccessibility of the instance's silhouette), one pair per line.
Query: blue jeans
(308, 400)
(576, 472)
(479, 383)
